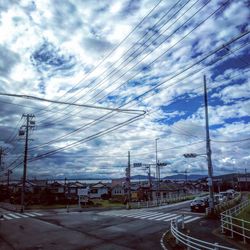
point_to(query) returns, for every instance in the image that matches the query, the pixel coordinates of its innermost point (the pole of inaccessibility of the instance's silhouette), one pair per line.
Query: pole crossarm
(193, 155)
(75, 104)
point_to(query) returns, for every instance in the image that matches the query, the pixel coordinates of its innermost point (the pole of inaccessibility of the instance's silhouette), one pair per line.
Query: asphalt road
(112, 229)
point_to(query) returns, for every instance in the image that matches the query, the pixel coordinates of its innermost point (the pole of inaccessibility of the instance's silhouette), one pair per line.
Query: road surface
(109, 229)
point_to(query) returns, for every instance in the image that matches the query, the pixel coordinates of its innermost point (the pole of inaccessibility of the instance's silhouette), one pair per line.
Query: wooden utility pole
(29, 124)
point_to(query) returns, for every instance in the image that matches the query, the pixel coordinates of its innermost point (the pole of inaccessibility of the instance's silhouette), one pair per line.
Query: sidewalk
(206, 230)
(10, 207)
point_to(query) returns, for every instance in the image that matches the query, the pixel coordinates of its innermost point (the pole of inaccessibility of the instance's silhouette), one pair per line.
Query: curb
(161, 241)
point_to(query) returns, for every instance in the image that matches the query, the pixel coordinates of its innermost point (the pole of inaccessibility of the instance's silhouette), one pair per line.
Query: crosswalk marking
(133, 214)
(171, 218)
(35, 213)
(149, 215)
(12, 216)
(30, 214)
(23, 215)
(155, 216)
(192, 219)
(165, 217)
(7, 217)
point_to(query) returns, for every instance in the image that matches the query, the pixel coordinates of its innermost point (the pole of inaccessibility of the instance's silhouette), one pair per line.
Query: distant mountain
(192, 177)
(142, 177)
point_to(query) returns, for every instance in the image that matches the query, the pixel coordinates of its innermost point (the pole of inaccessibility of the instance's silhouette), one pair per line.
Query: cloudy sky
(145, 55)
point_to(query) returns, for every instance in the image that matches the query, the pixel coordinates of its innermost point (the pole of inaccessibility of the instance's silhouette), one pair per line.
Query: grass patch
(54, 206)
(108, 204)
(245, 215)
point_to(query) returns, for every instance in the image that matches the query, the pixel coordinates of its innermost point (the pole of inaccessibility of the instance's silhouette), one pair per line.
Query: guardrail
(227, 204)
(233, 225)
(191, 242)
(155, 203)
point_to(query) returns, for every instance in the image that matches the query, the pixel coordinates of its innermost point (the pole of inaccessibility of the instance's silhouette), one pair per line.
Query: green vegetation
(108, 204)
(248, 196)
(245, 215)
(53, 206)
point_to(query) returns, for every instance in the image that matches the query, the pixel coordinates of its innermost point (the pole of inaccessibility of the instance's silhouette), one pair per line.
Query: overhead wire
(115, 70)
(154, 61)
(110, 113)
(113, 50)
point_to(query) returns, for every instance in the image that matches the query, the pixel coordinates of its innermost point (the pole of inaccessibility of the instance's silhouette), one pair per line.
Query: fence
(227, 204)
(191, 242)
(233, 225)
(154, 203)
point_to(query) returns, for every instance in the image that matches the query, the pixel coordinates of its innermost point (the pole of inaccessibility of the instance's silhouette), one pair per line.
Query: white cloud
(80, 35)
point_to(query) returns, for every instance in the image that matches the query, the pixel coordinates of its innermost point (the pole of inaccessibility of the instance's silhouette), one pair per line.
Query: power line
(109, 115)
(175, 44)
(142, 51)
(74, 104)
(231, 141)
(115, 48)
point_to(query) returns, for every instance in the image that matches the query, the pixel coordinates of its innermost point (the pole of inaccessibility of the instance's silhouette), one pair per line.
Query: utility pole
(9, 172)
(29, 125)
(128, 183)
(246, 186)
(150, 182)
(2, 153)
(208, 149)
(157, 168)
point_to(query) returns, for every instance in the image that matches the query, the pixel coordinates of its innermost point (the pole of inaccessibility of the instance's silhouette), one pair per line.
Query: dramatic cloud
(142, 55)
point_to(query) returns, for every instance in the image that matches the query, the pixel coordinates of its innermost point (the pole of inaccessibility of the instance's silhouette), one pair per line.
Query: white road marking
(7, 217)
(187, 217)
(165, 217)
(192, 219)
(23, 215)
(35, 213)
(148, 215)
(29, 214)
(173, 217)
(130, 214)
(11, 216)
(154, 217)
(14, 216)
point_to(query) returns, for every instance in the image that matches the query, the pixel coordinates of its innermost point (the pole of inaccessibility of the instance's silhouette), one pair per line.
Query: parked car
(228, 194)
(219, 198)
(199, 204)
(231, 193)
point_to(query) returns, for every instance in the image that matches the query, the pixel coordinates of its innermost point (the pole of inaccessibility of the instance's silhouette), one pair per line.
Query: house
(244, 183)
(56, 188)
(99, 190)
(55, 192)
(119, 181)
(73, 188)
(29, 187)
(167, 190)
(118, 191)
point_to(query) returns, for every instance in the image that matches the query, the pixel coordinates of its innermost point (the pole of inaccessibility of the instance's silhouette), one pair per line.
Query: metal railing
(227, 204)
(233, 225)
(191, 242)
(154, 203)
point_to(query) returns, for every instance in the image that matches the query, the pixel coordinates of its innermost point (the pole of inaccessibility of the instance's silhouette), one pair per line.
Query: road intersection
(99, 229)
